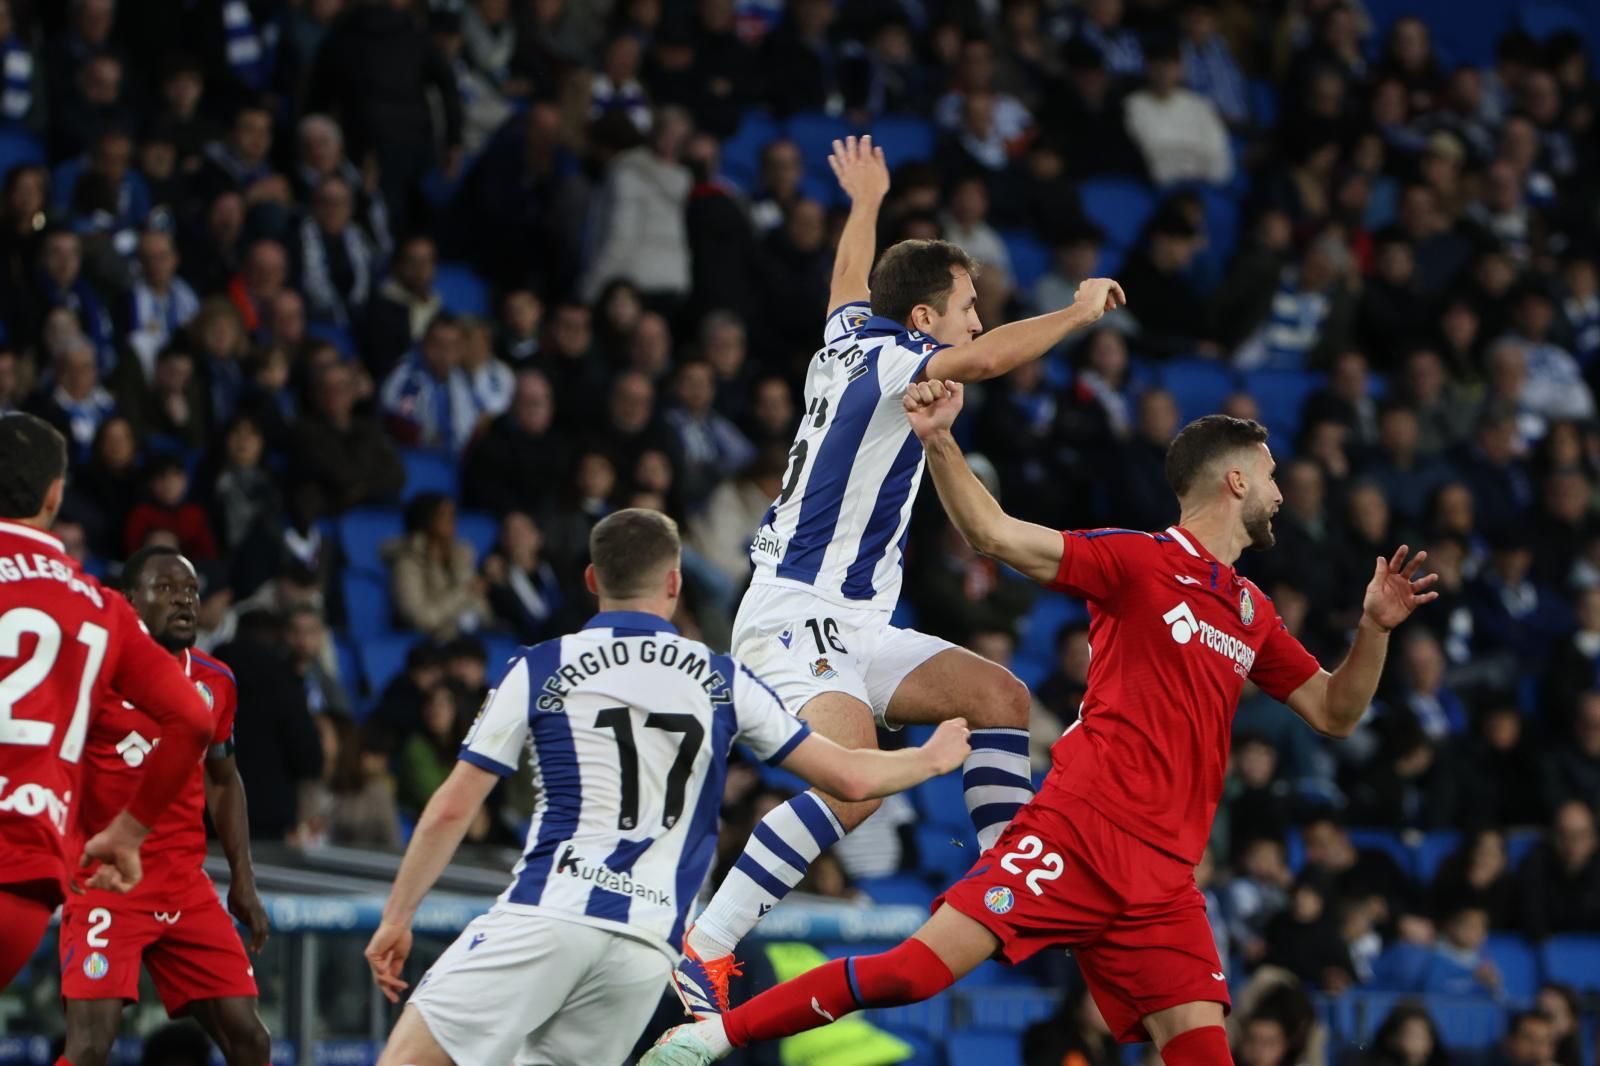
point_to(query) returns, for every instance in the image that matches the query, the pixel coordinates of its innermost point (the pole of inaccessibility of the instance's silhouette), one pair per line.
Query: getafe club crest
(999, 899)
(1247, 607)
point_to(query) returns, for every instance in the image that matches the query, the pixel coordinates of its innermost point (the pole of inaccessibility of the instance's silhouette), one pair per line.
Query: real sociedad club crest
(206, 694)
(1247, 607)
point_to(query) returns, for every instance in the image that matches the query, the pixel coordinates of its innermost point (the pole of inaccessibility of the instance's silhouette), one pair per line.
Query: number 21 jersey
(839, 523)
(628, 727)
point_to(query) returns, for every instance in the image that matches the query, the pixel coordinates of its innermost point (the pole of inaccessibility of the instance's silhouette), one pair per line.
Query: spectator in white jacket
(641, 234)
(1179, 131)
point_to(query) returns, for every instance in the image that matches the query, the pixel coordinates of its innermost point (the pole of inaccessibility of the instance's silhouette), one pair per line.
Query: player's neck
(659, 606)
(1220, 533)
(40, 521)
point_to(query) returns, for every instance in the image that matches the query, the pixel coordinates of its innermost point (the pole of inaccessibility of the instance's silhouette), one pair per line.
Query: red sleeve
(227, 697)
(1093, 560)
(1283, 664)
(152, 680)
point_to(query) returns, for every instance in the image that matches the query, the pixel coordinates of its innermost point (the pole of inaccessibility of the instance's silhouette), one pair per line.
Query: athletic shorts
(803, 646)
(193, 951)
(1063, 876)
(539, 991)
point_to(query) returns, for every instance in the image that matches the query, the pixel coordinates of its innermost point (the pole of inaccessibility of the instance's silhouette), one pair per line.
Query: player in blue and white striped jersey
(828, 555)
(628, 726)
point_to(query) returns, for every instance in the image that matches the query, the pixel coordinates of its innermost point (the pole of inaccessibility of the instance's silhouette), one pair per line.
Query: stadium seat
(1281, 394)
(430, 471)
(904, 139)
(1199, 385)
(18, 148)
(1521, 842)
(1574, 959)
(383, 657)
(362, 533)
(1042, 624)
(940, 857)
(814, 133)
(942, 802)
(335, 335)
(1010, 1009)
(1435, 848)
(367, 609)
(905, 889)
(1466, 1024)
(479, 529)
(1387, 841)
(1030, 257)
(1518, 965)
(500, 650)
(989, 1049)
(1263, 103)
(1541, 18)
(462, 290)
(1119, 206)
(741, 153)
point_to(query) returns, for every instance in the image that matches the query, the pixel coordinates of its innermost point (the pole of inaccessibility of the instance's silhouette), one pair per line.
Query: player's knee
(89, 1044)
(1007, 705)
(249, 1043)
(851, 815)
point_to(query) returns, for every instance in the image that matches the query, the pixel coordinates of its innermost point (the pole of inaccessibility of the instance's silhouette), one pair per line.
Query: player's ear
(1238, 484)
(52, 498)
(674, 583)
(589, 581)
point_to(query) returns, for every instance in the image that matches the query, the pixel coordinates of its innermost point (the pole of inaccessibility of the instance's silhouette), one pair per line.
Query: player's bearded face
(1258, 520)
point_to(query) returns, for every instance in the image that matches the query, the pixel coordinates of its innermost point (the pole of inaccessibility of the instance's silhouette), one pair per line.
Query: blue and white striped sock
(778, 854)
(997, 780)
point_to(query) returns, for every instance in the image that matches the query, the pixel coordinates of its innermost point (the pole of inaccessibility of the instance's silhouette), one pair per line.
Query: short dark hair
(1523, 1017)
(33, 454)
(916, 272)
(627, 547)
(134, 567)
(1204, 440)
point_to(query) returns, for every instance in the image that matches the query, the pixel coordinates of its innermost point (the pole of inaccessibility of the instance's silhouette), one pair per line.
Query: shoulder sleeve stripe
(792, 743)
(483, 762)
(1091, 534)
(215, 664)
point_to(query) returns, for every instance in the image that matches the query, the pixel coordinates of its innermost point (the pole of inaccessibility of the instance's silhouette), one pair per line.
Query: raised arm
(1334, 703)
(1006, 347)
(864, 176)
(856, 775)
(1033, 550)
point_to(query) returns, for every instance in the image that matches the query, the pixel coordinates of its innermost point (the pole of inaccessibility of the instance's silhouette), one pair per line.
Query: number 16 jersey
(628, 727)
(839, 523)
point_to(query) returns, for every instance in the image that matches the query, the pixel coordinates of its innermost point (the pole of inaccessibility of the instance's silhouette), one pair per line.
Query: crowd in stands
(477, 272)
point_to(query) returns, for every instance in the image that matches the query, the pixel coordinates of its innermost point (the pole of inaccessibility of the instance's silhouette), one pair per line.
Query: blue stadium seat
(940, 856)
(1541, 18)
(1466, 1024)
(1030, 257)
(904, 139)
(1281, 394)
(430, 471)
(903, 889)
(500, 650)
(335, 335)
(1435, 848)
(363, 531)
(479, 529)
(1263, 103)
(1520, 843)
(814, 133)
(1199, 385)
(1574, 959)
(823, 189)
(989, 1049)
(462, 290)
(383, 657)
(1518, 965)
(367, 609)
(18, 148)
(1119, 206)
(1010, 1009)
(942, 802)
(1385, 840)
(1042, 624)
(741, 153)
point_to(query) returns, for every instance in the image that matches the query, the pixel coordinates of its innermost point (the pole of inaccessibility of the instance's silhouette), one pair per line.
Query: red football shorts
(1065, 877)
(193, 952)
(24, 916)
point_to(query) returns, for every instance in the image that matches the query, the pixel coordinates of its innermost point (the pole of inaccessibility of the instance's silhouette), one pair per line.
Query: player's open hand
(932, 406)
(949, 746)
(860, 168)
(386, 953)
(244, 903)
(1396, 590)
(1097, 296)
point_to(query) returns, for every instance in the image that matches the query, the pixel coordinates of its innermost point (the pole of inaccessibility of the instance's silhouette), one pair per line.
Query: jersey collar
(1190, 543)
(17, 529)
(654, 623)
(877, 326)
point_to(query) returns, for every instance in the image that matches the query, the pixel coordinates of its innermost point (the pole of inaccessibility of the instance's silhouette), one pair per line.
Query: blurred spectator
(1510, 609)
(710, 448)
(1087, 108)
(524, 592)
(1062, 691)
(398, 711)
(320, 143)
(781, 169)
(1495, 472)
(616, 88)
(1171, 316)
(521, 316)
(1402, 473)
(1454, 965)
(167, 508)
(1256, 798)
(1256, 894)
(1573, 769)
(492, 381)
(1305, 938)
(278, 744)
(1408, 1037)
(1478, 875)
(642, 235)
(75, 403)
(402, 307)
(961, 592)
(428, 400)
(1534, 399)
(721, 531)
(429, 754)
(1561, 527)
(306, 636)
(1424, 693)
(1574, 668)
(62, 284)
(334, 261)
(1530, 1040)
(341, 459)
(1140, 496)
(519, 460)
(1076, 1034)
(1310, 315)
(1481, 782)
(1444, 410)
(1356, 873)
(361, 803)
(1558, 884)
(435, 583)
(798, 60)
(161, 303)
(1559, 1003)
(1209, 66)
(1178, 130)
(1347, 399)
(1580, 308)
(1394, 788)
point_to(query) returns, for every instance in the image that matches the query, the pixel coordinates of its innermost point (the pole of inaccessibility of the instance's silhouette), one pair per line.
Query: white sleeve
(901, 360)
(501, 729)
(845, 320)
(765, 725)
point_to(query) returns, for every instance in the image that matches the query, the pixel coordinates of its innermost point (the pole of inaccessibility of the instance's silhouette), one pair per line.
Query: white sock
(779, 852)
(997, 780)
(712, 1034)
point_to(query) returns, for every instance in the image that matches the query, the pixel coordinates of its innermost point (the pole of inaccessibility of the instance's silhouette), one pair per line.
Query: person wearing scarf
(61, 284)
(161, 302)
(76, 404)
(335, 260)
(428, 400)
(322, 155)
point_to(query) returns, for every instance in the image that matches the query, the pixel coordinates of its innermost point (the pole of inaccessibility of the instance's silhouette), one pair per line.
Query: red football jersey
(120, 742)
(1174, 634)
(64, 640)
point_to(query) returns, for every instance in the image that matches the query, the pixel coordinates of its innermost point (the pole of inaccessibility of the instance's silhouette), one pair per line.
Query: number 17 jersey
(838, 526)
(628, 727)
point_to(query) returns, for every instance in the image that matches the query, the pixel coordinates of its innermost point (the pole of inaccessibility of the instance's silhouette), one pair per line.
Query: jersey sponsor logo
(31, 800)
(576, 866)
(134, 747)
(167, 917)
(1184, 579)
(36, 567)
(819, 1009)
(1247, 607)
(768, 543)
(823, 669)
(999, 899)
(1185, 626)
(96, 966)
(1218, 976)
(699, 668)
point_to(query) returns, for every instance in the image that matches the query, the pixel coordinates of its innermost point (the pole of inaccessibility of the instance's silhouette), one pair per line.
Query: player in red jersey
(63, 640)
(1102, 860)
(173, 921)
